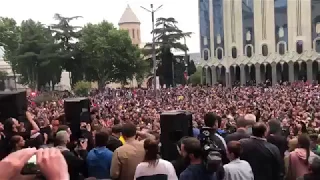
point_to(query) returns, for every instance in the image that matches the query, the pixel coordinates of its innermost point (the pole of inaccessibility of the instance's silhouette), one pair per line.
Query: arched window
(299, 47)
(317, 45)
(133, 35)
(249, 51)
(265, 50)
(234, 52)
(282, 49)
(219, 53)
(205, 55)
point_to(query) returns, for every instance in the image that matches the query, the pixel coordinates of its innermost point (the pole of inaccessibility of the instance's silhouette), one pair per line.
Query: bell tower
(131, 23)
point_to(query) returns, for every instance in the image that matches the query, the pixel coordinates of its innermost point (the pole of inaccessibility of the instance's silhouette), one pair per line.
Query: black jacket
(279, 141)
(236, 136)
(180, 165)
(113, 143)
(76, 165)
(263, 157)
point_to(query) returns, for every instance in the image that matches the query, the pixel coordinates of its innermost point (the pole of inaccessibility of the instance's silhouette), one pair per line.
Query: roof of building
(128, 17)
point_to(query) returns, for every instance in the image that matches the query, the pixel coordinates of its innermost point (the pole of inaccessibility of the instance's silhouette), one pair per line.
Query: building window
(133, 35)
(249, 51)
(282, 49)
(219, 53)
(234, 52)
(265, 50)
(138, 34)
(205, 55)
(317, 45)
(205, 41)
(299, 47)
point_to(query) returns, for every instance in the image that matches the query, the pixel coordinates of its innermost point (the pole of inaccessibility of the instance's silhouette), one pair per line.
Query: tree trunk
(101, 85)
(15, 79)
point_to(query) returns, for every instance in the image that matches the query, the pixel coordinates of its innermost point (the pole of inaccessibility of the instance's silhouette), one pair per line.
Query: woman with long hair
(16, 143)
(300, 159)
(153, 167)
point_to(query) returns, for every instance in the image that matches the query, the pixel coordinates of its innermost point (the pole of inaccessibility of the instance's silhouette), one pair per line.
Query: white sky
(94, 11)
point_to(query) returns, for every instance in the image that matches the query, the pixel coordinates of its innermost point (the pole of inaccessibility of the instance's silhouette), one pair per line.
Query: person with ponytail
(300, 159)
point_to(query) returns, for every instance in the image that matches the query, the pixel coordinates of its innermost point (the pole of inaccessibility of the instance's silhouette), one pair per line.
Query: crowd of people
(262, 133)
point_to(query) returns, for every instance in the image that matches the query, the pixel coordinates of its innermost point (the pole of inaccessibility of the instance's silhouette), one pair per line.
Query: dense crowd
(262, 133)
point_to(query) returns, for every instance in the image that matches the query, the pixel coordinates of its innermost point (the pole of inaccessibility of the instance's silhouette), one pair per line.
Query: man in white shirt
(237, 169)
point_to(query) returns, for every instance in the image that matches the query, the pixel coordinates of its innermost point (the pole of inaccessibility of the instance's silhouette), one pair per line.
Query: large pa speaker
(174, 125)
(76, 110)
(13, 104)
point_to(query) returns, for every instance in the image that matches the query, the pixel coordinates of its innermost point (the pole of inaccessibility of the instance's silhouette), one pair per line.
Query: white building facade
(259, 40)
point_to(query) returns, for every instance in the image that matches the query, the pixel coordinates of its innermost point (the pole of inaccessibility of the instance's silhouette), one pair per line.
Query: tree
(9, 40)
(67, 35)
(110, 54)
(167, 36)
(82, 88)
(195, 78)
(31, 51)
(191, 68)
(37, 55)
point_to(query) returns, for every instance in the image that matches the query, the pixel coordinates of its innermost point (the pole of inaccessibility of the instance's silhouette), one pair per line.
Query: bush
(82, 88)
(195, 78)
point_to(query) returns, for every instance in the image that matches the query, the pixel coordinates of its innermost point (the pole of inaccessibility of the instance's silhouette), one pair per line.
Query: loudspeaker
(13, 104)
(76, 110)
(174, 125)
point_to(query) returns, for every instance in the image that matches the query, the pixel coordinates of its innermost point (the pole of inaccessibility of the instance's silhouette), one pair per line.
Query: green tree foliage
(110, 54)
(191, 68)
(195, 78)
(67, 35)
(9, 40)
(98, 52)
(37, 55)
(167, 36)
(82, 88)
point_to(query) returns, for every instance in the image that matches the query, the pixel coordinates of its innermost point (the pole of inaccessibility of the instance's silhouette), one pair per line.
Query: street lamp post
(152, 11)
(186, 59)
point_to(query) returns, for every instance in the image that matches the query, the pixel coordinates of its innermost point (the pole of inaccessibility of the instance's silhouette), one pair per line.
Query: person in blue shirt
(99, 158)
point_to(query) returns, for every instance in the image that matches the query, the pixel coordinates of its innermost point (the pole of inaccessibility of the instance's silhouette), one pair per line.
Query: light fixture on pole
(152, 11)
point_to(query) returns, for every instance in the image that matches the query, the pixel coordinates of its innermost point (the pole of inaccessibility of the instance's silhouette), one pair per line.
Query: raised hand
(12, 164)
(52, 164)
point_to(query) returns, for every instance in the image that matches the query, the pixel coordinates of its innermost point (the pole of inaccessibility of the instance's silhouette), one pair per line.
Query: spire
(128, 17)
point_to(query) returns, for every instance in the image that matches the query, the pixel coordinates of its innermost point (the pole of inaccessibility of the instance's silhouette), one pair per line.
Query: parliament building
(245, 41)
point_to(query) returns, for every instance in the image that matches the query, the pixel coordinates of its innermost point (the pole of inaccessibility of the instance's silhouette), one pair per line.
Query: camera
(211, 152)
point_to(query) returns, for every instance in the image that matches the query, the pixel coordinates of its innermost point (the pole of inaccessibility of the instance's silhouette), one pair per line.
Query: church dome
(128, 17)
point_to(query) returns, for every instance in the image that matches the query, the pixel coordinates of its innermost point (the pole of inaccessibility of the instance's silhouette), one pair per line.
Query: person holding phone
(76, 163)
(50, 162)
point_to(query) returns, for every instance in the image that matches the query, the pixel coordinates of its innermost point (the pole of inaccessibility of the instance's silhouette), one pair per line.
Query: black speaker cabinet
(13, 104)
(174, 125)
(76, 110)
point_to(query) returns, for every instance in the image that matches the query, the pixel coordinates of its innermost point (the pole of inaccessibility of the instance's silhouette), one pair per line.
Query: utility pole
(152, 11)
(186, 59)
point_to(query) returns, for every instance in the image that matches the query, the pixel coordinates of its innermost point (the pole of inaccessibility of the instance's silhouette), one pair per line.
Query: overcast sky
(184, 11)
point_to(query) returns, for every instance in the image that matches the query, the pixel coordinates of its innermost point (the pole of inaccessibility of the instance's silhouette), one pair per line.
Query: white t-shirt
(164, 170)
